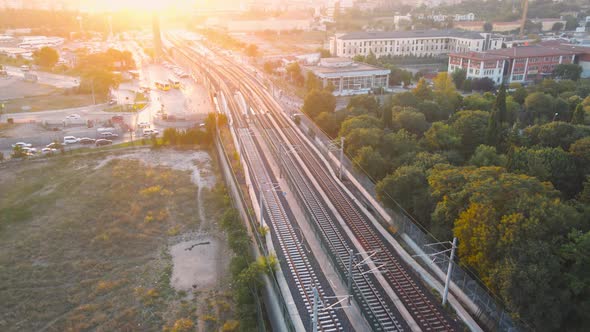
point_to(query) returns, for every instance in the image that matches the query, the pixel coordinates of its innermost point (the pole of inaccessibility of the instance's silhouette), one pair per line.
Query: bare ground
(99, 242)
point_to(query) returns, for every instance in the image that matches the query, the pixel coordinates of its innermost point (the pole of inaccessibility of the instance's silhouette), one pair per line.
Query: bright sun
(151, 5)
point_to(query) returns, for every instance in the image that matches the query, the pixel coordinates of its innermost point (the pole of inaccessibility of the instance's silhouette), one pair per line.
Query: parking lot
(184, 106)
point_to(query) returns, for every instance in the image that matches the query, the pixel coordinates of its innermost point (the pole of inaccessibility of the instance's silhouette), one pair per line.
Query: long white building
(419, 43)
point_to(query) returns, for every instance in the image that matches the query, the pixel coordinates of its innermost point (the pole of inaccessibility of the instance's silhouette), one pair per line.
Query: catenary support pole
(314, 319)
(341, 156)
(448, 279)
(350, 256)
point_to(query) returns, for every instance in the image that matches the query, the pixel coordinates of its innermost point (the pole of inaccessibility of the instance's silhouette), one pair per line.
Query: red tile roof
(539, 50)
(479, 56)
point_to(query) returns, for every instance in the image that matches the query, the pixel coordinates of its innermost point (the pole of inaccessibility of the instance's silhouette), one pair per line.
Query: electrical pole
(350, 256)
(93, 98)
(261, 206)
(341, 157)
(448, 279)
(314, 319)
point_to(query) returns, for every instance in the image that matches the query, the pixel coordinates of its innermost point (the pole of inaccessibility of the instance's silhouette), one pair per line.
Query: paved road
(191, 100)
(60, 81)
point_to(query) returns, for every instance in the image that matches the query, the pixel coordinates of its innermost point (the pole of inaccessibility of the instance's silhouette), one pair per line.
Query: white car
(22, 145)
(73, 117)
(48, 150)
(30, 151)
(143, 124)
(70, 140)
(150, 132)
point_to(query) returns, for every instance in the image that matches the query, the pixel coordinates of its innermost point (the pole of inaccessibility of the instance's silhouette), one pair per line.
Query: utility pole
(350, 257)
(93, 98)
(261, 206)
(314, 319)
(448, 279)
(524, 14)
(341, 157)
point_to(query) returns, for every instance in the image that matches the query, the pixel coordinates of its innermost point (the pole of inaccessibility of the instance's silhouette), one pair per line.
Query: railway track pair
(422, 306)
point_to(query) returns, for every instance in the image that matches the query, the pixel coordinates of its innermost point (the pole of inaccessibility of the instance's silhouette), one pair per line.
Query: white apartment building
(412, 43)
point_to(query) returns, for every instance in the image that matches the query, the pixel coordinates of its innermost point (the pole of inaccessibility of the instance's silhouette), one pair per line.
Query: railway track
(294, 256)
(374, 305)
(422, 305)
(419, 302)
(303, 269)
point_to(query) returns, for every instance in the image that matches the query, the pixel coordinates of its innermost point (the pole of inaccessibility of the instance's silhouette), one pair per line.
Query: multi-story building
(519, 64)
(419, 43)
(464, 17)
(349, 77)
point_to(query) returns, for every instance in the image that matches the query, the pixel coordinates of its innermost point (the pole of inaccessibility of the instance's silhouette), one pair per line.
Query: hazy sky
(102, 5)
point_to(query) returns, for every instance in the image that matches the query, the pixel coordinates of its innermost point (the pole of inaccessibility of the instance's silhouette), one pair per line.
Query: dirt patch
(14, 87)
(195, 264)
(90, 243)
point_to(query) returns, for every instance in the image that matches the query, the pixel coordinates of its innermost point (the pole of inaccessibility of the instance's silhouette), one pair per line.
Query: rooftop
(411, 34)
(339, 65)
(533, 50)
(479, 55)
(525, 52)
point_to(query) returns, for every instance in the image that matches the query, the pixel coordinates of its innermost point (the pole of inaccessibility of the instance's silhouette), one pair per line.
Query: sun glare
(139, 5)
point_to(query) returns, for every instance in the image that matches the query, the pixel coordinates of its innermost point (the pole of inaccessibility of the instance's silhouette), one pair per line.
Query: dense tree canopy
(46, 57)
(318, 101)
(500, 170)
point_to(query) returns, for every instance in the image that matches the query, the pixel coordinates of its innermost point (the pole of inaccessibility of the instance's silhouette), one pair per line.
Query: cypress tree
(498, 118)
(579, 115)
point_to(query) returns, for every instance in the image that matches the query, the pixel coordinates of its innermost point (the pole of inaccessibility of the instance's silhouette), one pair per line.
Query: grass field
(50, 102)
(84, 244)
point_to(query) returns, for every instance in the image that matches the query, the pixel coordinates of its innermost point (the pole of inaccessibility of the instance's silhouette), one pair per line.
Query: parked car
(70, 140)
(22, 145)
(86, 140)
(73, 117)
(30, 151)
(113, 102)
(108, 134)
(143, 125)
(117, 118)
(48, 151)
(101, 142)
(54, 145)
(150, 132)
